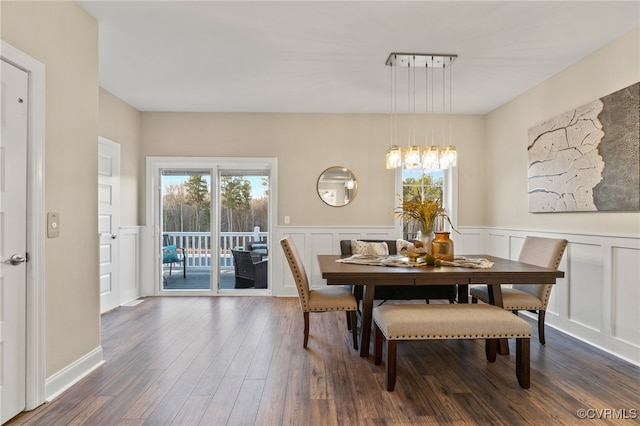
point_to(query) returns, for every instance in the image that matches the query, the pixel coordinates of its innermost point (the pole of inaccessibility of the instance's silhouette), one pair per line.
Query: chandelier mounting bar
(431, 60)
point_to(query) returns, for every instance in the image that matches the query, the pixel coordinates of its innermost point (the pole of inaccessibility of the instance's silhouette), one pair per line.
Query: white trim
(36, 355)
(151, 264)
(73, 373)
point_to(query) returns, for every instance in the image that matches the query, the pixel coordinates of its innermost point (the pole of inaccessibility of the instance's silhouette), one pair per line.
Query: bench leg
(390, 376)
(523, 362)
(491, 349)
(377, 346)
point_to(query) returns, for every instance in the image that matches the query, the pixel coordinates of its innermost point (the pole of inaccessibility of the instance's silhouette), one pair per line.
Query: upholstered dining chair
(319, 300)
(545, 252)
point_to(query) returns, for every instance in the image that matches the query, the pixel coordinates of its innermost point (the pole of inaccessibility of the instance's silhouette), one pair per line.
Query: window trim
(450, 193)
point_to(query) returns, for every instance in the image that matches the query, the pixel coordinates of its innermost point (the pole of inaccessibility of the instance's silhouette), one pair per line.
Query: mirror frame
(349, 193)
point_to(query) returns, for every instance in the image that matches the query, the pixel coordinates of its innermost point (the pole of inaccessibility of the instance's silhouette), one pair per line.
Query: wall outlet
(53, 224)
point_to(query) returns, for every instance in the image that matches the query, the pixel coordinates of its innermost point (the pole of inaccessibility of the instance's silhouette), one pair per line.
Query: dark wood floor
(239, 360)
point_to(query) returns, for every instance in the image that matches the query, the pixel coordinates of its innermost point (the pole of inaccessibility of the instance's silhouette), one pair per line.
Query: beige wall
(122, 123)
(65, 39)
(610, 69)
(305, 145)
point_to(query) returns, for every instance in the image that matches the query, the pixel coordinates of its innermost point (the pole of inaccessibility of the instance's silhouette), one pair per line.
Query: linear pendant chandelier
(431, 156)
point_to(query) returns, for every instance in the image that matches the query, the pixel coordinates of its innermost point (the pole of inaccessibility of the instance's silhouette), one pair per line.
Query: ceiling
(329, 57)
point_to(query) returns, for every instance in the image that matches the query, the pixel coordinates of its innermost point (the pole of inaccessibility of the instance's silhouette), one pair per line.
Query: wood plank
(239, 360)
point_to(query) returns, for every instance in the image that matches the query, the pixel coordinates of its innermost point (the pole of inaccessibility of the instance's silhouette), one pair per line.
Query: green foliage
(197, 196)
(187, 205)
(236, 198)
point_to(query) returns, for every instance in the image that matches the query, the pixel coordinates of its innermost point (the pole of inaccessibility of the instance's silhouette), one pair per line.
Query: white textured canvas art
(588, 159)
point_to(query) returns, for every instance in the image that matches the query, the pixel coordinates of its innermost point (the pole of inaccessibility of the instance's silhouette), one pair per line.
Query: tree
(197, 196)
(173, 207)
(236, 198)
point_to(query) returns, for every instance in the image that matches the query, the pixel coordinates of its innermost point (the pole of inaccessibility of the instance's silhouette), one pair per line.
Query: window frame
(449, 192)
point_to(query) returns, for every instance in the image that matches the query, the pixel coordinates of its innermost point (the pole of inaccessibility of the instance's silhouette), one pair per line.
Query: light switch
(53, 224)
(287, 220)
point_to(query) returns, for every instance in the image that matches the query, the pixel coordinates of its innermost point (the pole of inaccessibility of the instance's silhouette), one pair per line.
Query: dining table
(502, 271)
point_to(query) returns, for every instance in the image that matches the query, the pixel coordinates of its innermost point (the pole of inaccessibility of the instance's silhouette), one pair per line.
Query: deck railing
(197, 246)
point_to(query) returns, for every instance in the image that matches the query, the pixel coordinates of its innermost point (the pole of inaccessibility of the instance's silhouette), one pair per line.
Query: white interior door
(13, 240)
(108, 221)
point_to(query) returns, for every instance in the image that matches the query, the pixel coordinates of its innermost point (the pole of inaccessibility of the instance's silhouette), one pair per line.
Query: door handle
(15, 260)
(113, 236)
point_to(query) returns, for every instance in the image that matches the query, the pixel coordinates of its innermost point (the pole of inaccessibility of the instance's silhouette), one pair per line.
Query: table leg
(495, 298)
(367, 313)
(463, 293)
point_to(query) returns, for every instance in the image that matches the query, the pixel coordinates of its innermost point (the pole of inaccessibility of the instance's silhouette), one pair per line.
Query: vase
(426, 238)
(442, 246)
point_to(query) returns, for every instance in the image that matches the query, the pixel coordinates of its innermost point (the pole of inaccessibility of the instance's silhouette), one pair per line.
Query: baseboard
(73, 373)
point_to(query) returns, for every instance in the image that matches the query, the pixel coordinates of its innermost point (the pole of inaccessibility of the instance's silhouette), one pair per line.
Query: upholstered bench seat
(450, 321)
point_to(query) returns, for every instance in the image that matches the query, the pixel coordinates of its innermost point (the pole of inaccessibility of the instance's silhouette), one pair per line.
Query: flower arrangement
(424, 211)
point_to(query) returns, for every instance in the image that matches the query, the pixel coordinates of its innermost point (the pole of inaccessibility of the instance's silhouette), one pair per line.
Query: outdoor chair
(259, 249)
(250, 271)
(336, 298)
(545, 252)
(172, 254)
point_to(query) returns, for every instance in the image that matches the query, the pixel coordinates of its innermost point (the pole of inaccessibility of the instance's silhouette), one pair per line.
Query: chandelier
(431, 156)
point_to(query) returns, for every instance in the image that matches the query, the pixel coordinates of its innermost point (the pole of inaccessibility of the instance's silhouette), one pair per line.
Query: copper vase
(442, 246)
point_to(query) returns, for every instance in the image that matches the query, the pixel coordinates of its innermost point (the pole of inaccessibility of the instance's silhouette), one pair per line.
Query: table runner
(461, 261)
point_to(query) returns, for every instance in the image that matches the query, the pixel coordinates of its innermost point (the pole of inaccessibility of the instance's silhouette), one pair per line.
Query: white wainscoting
(598, 300)
(130, 251)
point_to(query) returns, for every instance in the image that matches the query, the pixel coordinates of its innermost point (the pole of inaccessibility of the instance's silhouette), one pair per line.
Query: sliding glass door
(244, 229)
(212, 222)
(186, 229)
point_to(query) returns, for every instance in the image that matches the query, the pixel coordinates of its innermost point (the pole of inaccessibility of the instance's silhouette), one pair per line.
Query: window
(425, 184)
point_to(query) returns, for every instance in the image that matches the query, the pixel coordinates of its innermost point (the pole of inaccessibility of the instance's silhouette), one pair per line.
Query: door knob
(16, 259)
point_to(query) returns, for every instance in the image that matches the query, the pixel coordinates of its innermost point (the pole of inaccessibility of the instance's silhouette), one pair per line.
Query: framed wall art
(588, 159)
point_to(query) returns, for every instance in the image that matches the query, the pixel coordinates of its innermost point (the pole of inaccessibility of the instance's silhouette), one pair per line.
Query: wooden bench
(450, 321)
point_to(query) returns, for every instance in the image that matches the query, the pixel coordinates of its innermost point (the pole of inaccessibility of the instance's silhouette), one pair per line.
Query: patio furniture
(172, 254)
(545, 252)
(320, 300)
(249, 270)
(258, 248)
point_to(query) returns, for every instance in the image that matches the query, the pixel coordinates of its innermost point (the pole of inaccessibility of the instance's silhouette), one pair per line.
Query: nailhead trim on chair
(321, 300)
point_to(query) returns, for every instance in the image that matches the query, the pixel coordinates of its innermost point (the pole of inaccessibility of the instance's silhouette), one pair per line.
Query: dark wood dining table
(503, 271)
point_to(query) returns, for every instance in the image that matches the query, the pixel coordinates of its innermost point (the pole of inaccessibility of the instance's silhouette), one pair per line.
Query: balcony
(197, 249)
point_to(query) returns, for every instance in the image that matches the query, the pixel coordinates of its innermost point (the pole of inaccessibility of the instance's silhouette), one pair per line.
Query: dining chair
(318, 300)
(545, 252)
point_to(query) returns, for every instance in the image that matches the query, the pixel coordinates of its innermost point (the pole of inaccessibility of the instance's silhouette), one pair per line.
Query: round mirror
(337, 186)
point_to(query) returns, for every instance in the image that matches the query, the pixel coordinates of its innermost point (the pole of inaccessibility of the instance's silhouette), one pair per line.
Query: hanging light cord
(450, 103)
(390, 106)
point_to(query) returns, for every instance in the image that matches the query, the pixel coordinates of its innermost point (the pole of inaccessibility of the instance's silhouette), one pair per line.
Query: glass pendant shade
(412, 157)
(394, 157)
(431, 158)
(451, 156)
